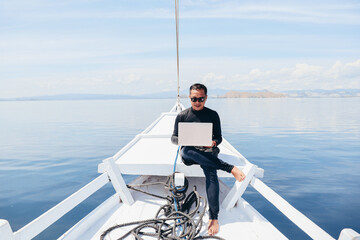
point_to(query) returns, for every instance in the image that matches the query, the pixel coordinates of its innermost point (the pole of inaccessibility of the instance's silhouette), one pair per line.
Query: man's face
(197, 94)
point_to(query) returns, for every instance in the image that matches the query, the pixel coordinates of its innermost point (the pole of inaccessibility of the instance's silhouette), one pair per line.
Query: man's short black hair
(198, 86)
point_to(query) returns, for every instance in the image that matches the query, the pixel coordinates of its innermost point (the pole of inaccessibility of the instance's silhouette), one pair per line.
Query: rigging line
(178, 82)
(177, 51)
(177, 154)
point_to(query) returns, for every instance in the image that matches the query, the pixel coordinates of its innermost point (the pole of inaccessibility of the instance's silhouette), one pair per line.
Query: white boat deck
(152, 153)
(242, 221)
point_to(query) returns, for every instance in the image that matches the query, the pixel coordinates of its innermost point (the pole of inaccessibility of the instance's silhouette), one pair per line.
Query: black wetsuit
(205, 157)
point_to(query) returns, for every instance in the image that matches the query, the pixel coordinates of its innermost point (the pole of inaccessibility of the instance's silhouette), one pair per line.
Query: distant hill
(318, 93)
(264, 94)
(212, 93)
(315, 93)
(69, 96)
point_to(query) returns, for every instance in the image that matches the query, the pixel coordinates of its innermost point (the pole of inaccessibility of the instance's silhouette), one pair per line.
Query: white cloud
(303, 70)
(301, 77)
(161, 76)
(212, 78)
(345, 70)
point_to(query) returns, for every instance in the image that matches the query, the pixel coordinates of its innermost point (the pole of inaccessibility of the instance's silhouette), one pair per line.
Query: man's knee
(186, 152)
(187, 162)
(185, 157)
(210, 173)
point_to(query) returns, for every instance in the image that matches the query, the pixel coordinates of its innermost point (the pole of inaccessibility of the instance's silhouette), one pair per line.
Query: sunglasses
(200, 99)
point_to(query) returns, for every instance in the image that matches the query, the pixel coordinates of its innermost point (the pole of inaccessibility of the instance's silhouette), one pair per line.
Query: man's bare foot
(213, 227)
(238, 174)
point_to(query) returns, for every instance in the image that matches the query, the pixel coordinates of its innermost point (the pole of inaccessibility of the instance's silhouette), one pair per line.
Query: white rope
(177, 53)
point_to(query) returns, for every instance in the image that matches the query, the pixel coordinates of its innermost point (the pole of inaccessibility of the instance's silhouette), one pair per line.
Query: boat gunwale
(46, 219)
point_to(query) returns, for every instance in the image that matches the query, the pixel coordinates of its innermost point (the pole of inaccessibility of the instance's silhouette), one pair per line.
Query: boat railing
(38, 225)
(299, 219)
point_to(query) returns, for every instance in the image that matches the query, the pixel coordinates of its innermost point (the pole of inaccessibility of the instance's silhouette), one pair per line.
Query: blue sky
(128, 47)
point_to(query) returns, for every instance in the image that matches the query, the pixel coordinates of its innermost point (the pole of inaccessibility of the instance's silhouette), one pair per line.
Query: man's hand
(213, 145)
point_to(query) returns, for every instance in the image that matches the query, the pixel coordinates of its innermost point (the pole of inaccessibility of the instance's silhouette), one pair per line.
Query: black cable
(142, 191)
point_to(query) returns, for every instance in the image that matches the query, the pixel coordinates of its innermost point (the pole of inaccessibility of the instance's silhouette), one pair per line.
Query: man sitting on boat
(207, 156)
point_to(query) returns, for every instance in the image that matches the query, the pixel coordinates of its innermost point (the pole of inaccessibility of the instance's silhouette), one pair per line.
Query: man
(207, 156)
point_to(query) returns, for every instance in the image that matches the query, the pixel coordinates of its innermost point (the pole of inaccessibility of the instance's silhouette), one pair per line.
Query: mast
(177, 54)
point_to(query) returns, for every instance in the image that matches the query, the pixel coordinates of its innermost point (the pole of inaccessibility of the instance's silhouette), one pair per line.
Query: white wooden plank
(155, 156)
(90, 224)
(239, 187)
(304, 223)
(230, 147)
(349, 234)
(153, 124)
(117, 181)
(5, 230)
(45, 220)
(126, 148)
(164, 126)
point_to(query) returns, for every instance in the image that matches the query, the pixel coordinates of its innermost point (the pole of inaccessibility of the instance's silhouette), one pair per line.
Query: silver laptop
(195, 134)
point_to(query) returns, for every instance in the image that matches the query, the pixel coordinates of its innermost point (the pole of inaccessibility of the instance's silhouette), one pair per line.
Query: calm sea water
(309, 148)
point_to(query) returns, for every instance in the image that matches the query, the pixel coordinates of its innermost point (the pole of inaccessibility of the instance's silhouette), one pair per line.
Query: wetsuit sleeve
(217, 129)
(174, 137)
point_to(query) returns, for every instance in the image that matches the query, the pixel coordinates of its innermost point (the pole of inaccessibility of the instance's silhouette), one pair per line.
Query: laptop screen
(195, 134)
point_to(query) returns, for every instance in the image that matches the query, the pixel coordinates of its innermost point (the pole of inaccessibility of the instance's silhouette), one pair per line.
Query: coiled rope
(170, 224)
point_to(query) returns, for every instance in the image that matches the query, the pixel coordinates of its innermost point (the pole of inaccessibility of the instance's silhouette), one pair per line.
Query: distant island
(315, 93)
(265, 94)
(213, 93)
